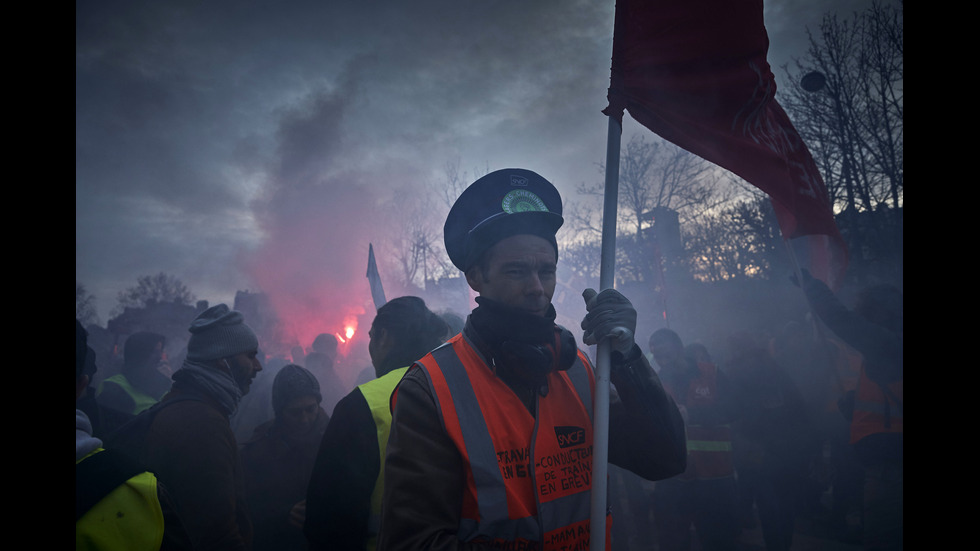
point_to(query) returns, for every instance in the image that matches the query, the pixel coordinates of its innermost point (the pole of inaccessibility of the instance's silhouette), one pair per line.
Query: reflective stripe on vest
(708, 446)
(141, 400)
(709, 452)
(877, 408)
(377, 394)
(130, 517)
(709, 449)
(528, 479)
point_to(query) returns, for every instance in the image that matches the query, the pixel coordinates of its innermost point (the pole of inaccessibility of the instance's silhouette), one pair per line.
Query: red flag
(695, 72)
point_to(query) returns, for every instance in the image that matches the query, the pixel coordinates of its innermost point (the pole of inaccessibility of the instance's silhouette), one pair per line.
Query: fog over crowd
(253, 152)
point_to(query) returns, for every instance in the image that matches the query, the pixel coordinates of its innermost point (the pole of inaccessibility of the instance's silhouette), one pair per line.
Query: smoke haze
(249, 145)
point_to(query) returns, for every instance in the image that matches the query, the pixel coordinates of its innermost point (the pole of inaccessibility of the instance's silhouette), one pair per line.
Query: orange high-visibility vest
(847, 365)
(709, 452)
(528, 478)
(709, 449)
(877, 409)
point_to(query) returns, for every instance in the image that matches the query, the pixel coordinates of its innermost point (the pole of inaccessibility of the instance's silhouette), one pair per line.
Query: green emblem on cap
(522, 200)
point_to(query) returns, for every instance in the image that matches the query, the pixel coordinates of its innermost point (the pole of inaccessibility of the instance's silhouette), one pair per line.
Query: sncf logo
(570, 436)
(516, 180)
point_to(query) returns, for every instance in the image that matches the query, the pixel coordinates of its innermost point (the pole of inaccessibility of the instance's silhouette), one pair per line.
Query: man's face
(377, 346)
(372, 344)
(156, 356)
(520, 273)
(244, 367)
(667, 354)
(160, 361)
(299, 414)
(154, 359)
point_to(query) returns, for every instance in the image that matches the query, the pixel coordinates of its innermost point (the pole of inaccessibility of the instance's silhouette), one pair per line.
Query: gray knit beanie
(219, 332)
(292, 382)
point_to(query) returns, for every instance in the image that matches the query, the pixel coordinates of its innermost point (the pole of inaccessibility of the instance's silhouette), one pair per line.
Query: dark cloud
(245, 144)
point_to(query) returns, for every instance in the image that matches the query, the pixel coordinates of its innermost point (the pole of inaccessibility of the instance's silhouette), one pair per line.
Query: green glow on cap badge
(522, 200)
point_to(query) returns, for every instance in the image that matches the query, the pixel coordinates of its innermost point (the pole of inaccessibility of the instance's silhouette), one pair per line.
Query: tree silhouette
(85, 306)
(846, 98)
(153, 289)
(660, 187)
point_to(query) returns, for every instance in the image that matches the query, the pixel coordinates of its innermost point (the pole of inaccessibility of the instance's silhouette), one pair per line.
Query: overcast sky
(242, 145)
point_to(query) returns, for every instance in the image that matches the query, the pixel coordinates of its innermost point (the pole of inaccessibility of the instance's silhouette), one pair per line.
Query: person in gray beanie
(219, 332)
(221, 340)
(278, 460)
(293, 382)
(190, 444)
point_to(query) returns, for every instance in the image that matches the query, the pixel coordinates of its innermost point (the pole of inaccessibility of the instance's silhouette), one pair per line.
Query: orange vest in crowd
(877, 409)
(709, 449)
(528, 479)
(846, 366)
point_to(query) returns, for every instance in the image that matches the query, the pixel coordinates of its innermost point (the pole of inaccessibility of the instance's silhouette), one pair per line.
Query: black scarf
(496, 322)
(520, 346)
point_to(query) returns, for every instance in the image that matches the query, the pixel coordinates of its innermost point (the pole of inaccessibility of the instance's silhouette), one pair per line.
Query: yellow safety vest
(141, 400)
(128, 519)
(377, 393)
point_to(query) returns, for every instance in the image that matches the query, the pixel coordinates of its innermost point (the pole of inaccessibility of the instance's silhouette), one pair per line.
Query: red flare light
(350, 327)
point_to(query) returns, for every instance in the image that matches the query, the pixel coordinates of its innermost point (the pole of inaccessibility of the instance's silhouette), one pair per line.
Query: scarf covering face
(521, 345)
(496, 322)
(203, 378)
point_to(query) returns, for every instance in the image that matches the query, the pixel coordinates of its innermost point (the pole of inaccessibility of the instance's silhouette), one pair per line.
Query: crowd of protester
(293, 463)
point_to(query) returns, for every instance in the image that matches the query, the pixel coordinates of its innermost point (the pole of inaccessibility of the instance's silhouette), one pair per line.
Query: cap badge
(522, 200)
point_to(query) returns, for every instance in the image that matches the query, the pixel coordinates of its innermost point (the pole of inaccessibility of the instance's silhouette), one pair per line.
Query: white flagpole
(607, 271)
